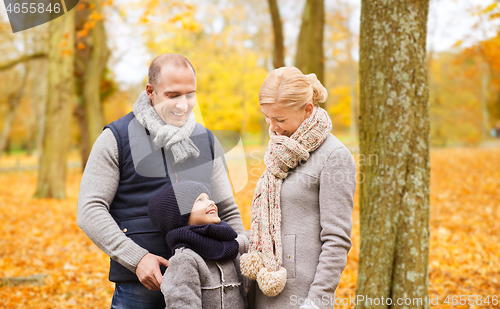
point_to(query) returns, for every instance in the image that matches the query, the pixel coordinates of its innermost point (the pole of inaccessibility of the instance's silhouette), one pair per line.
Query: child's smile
(212, 211)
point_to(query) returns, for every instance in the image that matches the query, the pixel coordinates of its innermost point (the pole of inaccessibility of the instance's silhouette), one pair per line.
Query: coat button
(125, 230)
(287, 256)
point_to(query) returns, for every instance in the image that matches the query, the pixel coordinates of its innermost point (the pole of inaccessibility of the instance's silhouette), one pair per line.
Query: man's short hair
(175, 60)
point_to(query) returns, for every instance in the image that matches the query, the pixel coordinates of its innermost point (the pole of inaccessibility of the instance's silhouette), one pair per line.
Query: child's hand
(148, 271)
(243, 243)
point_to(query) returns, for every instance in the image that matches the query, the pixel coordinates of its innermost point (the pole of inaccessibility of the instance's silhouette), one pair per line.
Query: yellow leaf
(96, 16)
(458, 43)
(490, 7)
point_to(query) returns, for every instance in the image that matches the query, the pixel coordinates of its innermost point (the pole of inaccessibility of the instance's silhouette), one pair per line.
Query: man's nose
(182, 104)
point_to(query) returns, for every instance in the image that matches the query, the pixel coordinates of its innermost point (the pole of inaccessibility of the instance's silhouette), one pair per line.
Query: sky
(449, 21)
(453, 20)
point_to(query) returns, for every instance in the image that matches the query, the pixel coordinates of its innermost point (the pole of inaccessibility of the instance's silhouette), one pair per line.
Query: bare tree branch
(21, 59)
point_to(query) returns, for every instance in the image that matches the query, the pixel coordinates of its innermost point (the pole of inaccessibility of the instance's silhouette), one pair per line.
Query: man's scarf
(165, 135)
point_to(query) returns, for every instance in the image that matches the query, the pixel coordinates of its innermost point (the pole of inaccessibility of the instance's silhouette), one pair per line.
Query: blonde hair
(290, 88)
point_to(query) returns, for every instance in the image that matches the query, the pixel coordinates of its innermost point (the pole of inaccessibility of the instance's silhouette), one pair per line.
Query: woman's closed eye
(278, 120)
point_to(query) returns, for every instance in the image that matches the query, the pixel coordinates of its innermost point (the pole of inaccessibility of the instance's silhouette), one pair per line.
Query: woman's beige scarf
(263, 262)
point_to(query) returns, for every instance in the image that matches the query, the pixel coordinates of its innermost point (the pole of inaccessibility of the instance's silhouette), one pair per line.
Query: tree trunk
(352, 91)
(90, 62)
(394, 132)
(60, 103)
(8, 147)
(484, 102)
(9, 120)
(41, 116)
(279, 49)
(14, 102)
(310, 55)
(84, 145)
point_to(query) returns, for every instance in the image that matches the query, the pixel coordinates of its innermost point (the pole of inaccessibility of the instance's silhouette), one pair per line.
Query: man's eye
(190, 95)
(280, 120)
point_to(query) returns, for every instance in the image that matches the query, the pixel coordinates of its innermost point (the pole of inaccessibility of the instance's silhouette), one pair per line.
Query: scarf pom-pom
(250, 264)
(271, 283)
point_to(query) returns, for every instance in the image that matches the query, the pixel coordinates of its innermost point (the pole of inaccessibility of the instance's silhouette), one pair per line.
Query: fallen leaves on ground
(464, 254)
(40, 236)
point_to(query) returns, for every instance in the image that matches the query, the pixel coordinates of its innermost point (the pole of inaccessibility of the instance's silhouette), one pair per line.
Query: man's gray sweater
(97, 190)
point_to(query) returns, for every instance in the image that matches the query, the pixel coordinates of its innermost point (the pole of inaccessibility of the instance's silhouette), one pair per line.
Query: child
(204, 271)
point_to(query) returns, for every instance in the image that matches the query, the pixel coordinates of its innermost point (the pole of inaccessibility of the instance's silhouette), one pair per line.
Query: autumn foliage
(40, 236)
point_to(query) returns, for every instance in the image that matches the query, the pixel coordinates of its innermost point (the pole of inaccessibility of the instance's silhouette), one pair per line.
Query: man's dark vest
(144, 169)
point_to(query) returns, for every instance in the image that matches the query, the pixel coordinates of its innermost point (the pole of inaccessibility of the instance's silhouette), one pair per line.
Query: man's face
(175, 95)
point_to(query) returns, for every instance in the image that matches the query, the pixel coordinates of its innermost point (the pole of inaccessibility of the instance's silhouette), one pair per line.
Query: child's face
(204, 211)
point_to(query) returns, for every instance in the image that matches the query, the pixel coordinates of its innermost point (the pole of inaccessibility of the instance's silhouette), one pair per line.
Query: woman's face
(285, 121)
(204, 211)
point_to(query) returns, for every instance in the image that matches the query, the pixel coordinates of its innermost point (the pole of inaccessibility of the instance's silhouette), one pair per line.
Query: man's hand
(148, 271)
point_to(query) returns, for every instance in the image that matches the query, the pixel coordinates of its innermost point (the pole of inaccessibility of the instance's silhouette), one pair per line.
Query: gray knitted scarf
(165, 135)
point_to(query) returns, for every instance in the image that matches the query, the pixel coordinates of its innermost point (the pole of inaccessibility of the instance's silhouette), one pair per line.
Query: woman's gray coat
(317, 203)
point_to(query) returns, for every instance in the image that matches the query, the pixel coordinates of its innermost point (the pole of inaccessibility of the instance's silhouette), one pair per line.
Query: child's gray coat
(191, 281)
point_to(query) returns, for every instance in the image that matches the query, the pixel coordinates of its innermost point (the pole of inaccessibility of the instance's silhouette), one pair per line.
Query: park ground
(41, 237)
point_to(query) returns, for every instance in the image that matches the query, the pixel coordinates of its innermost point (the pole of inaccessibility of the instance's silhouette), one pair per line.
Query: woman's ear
(309, 109)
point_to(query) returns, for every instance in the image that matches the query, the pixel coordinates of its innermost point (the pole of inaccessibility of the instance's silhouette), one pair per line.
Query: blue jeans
(134, 295)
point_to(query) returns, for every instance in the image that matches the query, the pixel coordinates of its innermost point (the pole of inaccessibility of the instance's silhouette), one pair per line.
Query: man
(135, 156)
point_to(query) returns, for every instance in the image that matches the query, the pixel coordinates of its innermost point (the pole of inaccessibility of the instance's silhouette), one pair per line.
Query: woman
(301, 210)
